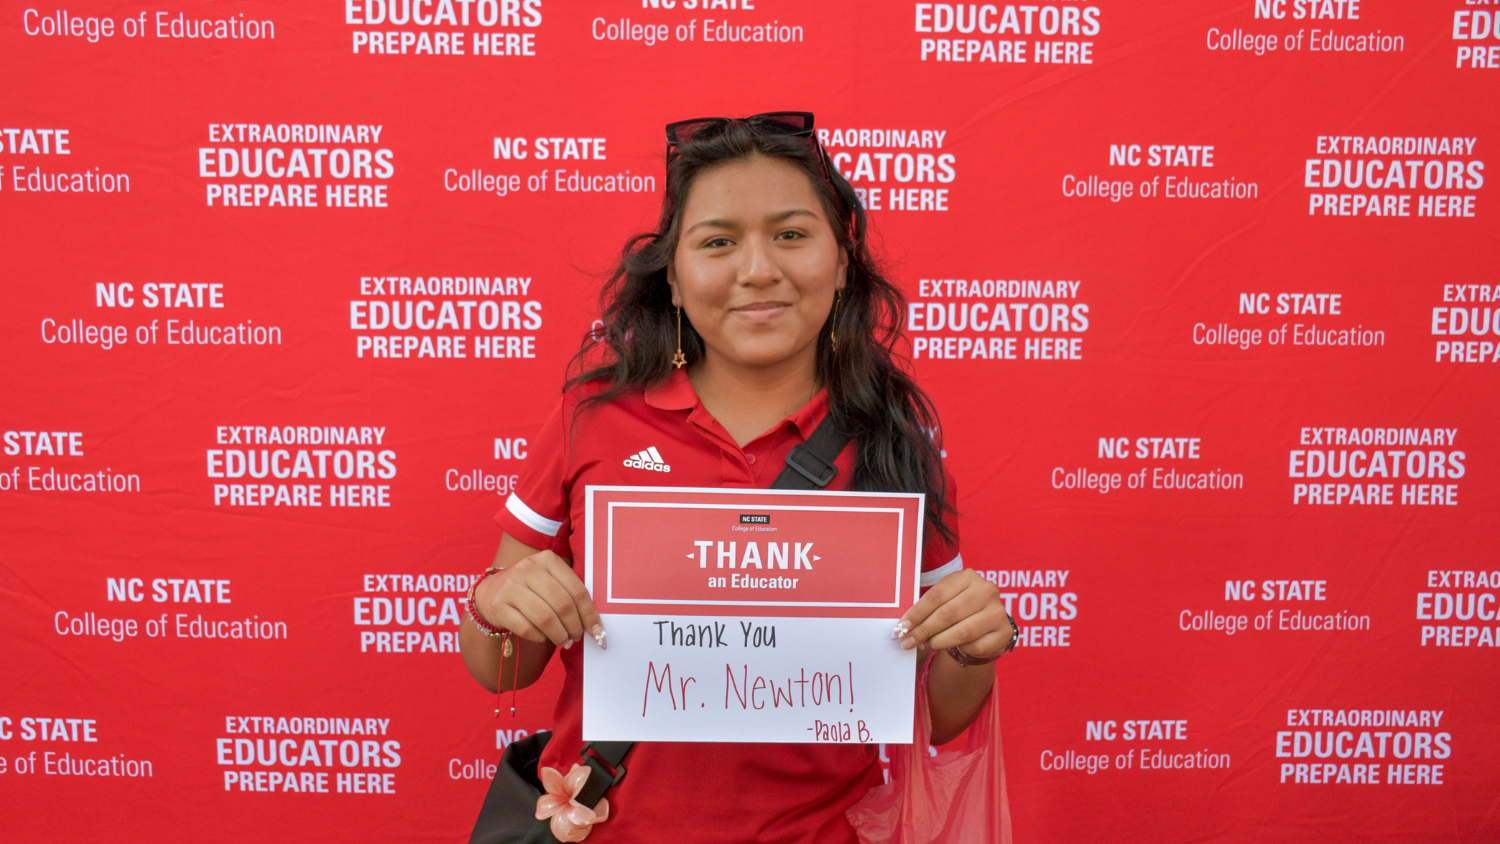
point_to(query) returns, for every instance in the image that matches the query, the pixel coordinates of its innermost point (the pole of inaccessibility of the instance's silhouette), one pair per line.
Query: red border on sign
(868, 518)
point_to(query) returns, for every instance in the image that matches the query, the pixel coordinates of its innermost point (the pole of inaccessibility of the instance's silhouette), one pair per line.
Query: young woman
(752, 312)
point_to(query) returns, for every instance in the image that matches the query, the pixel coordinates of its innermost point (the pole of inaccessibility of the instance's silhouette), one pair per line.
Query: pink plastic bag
(955, 796)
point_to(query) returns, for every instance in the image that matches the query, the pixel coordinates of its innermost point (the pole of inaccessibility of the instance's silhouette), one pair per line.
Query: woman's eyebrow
(792, 212)
(729, 224)
(716, 223)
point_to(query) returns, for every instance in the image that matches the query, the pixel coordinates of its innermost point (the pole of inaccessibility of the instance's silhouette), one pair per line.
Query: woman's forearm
(955, 695)
(481, 654)
(961, 609)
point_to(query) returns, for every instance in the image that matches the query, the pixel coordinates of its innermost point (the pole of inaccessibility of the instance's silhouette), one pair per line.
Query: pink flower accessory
(571, 820)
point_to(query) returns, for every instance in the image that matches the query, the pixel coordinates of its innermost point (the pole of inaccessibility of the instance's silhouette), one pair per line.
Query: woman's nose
(759, 267)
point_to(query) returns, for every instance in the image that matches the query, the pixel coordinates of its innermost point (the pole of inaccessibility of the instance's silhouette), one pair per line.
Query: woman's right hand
(540, 599)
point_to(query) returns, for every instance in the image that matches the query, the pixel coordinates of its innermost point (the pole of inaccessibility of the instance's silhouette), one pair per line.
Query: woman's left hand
(962, 610)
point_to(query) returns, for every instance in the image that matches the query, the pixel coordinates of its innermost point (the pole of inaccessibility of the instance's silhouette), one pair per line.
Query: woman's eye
(794, 234)
(717, 242)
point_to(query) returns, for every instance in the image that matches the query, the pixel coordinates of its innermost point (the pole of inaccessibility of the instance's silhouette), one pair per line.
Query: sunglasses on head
(790, 123)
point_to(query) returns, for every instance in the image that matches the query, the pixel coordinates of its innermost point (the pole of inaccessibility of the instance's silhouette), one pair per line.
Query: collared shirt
(689, 792)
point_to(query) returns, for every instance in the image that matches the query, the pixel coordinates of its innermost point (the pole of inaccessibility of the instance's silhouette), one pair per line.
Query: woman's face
(757, 263)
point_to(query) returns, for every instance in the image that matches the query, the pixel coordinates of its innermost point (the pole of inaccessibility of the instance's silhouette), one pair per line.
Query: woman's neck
(748, 401)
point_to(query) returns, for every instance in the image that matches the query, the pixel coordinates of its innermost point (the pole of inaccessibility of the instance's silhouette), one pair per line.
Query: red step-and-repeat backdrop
(1206, 293)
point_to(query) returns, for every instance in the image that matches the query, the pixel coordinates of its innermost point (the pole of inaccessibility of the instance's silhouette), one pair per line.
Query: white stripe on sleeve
(930, 578)
(531, 518)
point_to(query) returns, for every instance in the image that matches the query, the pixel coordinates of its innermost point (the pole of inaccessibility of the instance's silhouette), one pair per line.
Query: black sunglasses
(790, 123)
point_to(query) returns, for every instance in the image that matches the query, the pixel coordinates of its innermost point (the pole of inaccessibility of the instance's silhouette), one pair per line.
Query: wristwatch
(964, 660)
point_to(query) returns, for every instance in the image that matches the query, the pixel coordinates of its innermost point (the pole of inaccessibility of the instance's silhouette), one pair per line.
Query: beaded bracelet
(484, 626)
(507, 647)
(964, 660)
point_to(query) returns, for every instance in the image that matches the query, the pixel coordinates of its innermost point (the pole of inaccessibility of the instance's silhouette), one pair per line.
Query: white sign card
(749, 615)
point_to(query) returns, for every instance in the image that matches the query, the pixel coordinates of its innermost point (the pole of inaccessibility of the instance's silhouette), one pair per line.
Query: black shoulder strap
(605, 760)
(808, 466)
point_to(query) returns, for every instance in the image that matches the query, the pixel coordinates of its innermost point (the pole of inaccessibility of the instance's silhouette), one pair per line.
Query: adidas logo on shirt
(649, 459)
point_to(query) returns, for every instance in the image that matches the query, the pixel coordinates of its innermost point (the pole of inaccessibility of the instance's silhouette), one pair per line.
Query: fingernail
(567, 644)
(902, 628)
(908, 643)
(598, 633)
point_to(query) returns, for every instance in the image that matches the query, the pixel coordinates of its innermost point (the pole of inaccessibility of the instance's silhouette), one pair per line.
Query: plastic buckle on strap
(825, 470)
(614, 772)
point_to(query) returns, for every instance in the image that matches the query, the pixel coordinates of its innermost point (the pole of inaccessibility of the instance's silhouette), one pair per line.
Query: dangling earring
(679, 360)
(833, 340)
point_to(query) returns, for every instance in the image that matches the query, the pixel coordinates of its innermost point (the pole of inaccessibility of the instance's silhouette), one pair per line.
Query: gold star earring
(679, 360)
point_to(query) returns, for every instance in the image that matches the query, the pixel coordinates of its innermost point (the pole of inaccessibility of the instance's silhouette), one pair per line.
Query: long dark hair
(872, 398)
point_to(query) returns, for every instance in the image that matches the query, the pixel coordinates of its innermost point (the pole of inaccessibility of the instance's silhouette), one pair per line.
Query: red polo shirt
(689, 792)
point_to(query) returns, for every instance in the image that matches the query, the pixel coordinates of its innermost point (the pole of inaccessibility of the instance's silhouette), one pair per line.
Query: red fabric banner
(1206, 295)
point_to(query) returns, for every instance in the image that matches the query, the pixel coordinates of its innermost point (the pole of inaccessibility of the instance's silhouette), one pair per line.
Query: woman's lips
(762, 311)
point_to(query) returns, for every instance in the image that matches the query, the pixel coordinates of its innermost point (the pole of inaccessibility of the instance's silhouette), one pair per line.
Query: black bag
(508, 815)
(509, 810)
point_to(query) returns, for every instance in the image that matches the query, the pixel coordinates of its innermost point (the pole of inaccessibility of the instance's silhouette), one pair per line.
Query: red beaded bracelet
(484, 626)
(507, 648)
